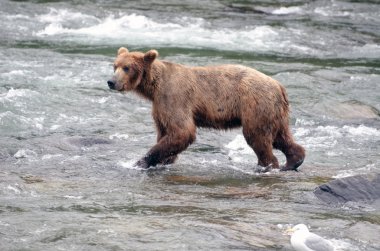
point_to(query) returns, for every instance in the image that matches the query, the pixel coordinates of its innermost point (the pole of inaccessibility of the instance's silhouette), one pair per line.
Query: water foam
(16, 93)
(330, 12)
(64, 15)
(111, 26)
(18, 16)
(119, 136)
(238, 148)
(361, 130)
(17, 122)
(16, 189)
(239, 144)
(370, 168)
(129, 165)
(287, 10)
(25, 153)
(325, 137)
(186, 32)
(73, 197)
(14, 73)
(51, 156)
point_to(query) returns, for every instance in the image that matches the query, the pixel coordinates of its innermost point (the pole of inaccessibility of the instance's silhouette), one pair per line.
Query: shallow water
(68, 143)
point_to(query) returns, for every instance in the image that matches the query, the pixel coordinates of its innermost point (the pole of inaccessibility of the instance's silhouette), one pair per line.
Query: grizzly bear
(220, 97)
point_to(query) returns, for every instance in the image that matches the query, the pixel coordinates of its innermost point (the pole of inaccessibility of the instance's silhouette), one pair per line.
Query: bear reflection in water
(220, 97)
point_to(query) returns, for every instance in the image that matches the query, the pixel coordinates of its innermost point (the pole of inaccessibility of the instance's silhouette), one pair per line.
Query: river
(68, 143)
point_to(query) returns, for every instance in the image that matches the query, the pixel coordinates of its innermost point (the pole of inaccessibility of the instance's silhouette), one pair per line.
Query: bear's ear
(122, 50)
(150, 56)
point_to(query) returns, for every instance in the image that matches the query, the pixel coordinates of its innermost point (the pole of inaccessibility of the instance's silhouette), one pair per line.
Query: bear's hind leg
(295, 154)
(262, 146)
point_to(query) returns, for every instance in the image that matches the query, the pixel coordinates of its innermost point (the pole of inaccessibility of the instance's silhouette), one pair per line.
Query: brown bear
(221, 97)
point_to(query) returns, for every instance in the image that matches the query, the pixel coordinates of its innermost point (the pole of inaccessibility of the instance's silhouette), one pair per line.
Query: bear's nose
(111, 84)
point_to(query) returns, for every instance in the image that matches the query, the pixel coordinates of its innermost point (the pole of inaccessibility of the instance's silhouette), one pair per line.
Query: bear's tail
(284, 95)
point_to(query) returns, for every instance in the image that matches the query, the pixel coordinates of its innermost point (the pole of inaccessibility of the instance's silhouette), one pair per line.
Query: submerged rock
(360, 188)
(354, 109)
(88, 141)
(364, 232)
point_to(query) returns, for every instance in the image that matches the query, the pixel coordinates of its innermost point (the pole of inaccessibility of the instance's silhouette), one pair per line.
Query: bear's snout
(111, 84)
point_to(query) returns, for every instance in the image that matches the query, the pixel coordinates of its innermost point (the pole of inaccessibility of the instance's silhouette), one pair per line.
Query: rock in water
(360, 188)
(88, 141)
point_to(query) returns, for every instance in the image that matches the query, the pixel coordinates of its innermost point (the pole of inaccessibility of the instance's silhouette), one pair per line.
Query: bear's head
(130, 69)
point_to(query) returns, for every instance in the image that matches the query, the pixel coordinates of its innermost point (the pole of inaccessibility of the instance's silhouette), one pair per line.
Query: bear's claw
(292, 167)
(142, 163)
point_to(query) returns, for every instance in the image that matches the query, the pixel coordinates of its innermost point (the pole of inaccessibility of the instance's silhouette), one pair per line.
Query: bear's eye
(126, 69)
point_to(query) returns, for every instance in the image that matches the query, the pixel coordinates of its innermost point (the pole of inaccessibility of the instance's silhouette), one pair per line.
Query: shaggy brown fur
(221, 97)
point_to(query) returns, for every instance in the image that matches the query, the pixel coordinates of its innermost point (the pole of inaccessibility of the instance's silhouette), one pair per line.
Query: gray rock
(88, 141)
(361, 188)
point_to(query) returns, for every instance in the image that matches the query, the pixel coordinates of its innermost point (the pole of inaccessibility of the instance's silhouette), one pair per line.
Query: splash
(185, 32)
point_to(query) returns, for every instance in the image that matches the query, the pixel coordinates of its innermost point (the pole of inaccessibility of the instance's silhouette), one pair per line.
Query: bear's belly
(218, 123)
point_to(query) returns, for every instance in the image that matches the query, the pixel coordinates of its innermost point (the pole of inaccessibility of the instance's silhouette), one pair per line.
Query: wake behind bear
(220, 97)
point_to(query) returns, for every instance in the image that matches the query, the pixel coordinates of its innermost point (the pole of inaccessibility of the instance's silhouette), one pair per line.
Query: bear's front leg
(161, 132)
(167, 148)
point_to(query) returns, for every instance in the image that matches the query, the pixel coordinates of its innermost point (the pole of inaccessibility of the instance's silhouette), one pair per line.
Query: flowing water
(68, 143)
